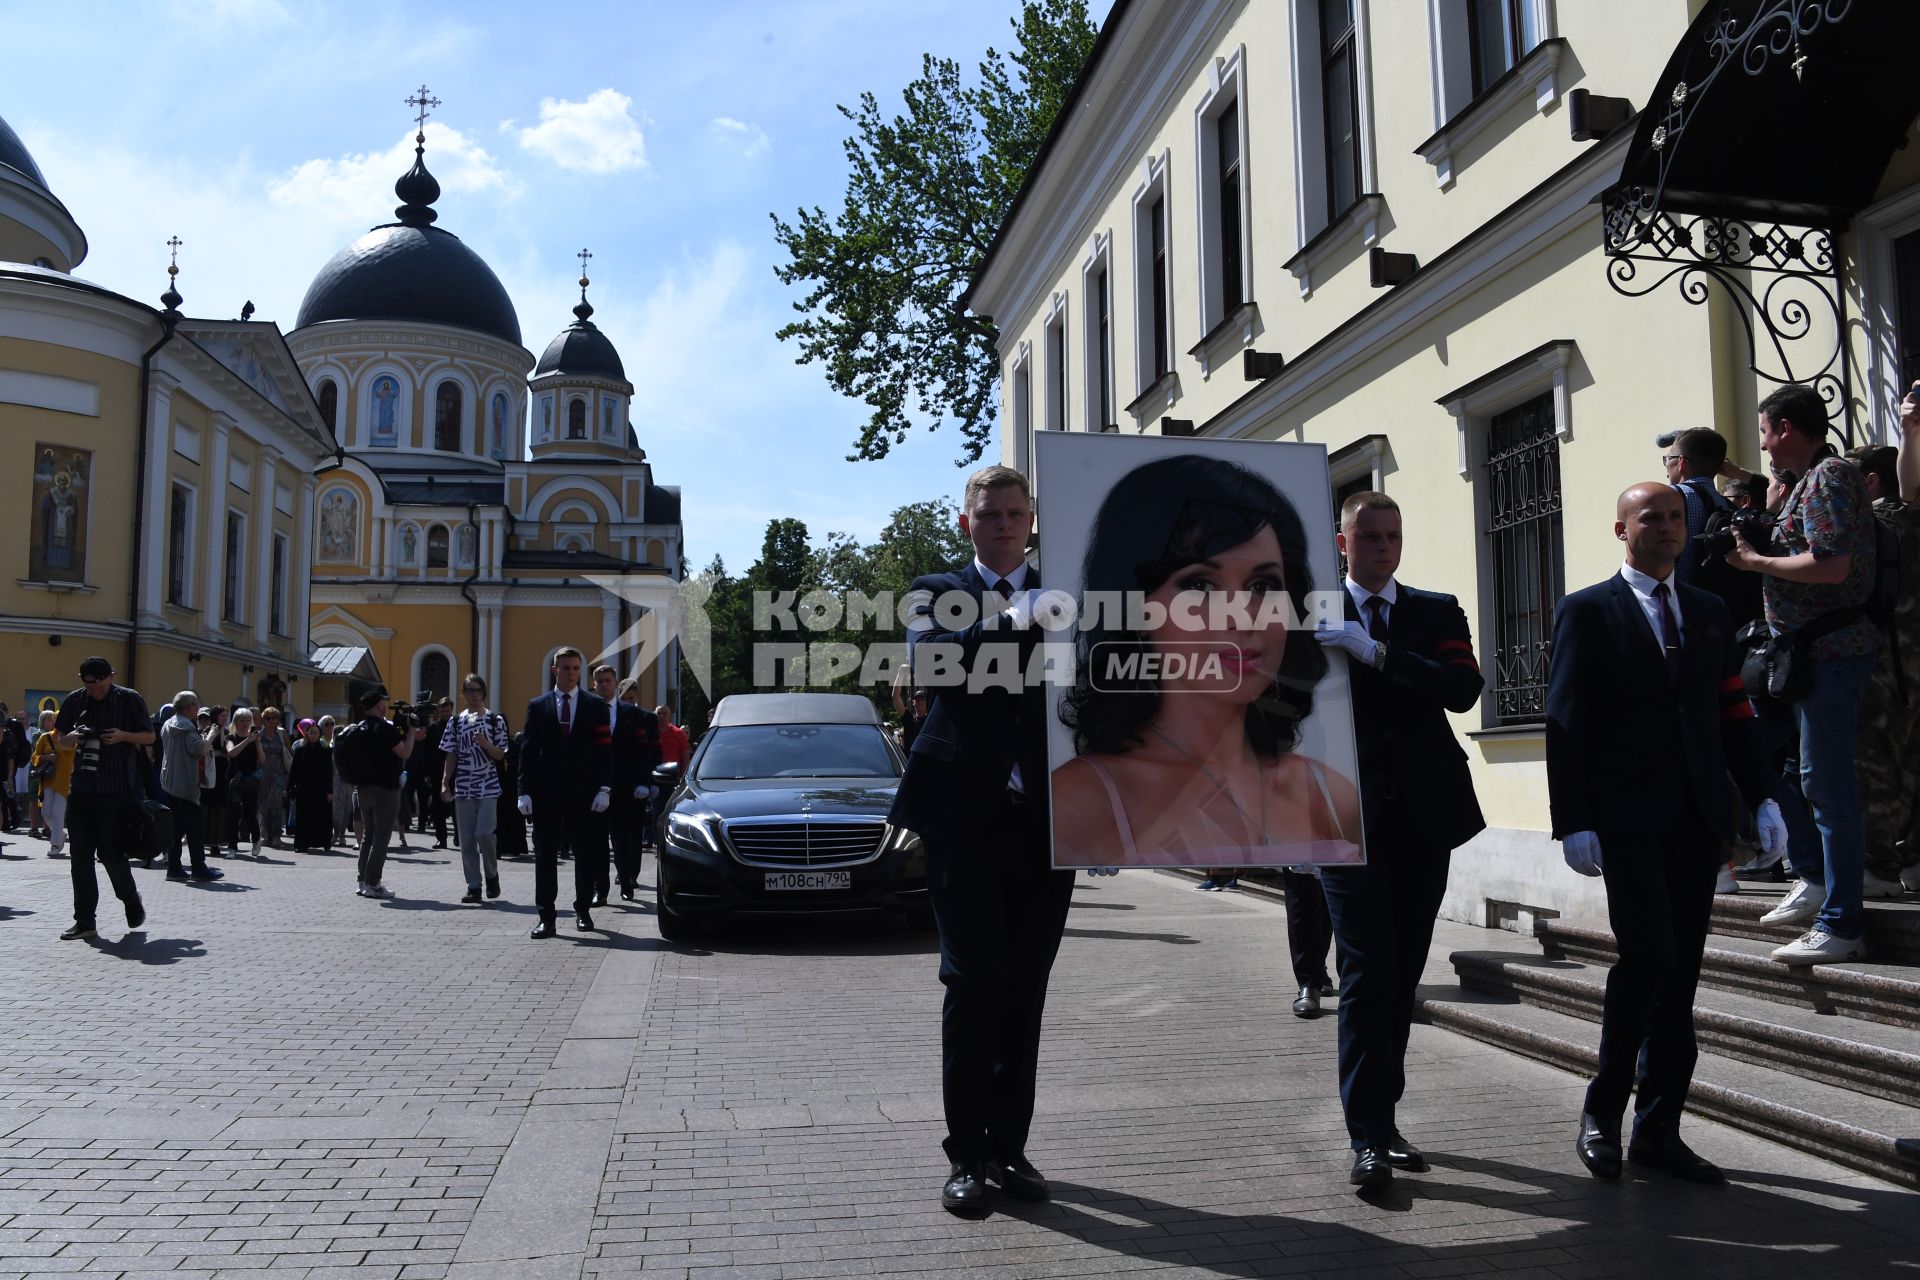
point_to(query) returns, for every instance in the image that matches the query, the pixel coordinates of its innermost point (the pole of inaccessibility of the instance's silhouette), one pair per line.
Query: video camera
(1717, 539)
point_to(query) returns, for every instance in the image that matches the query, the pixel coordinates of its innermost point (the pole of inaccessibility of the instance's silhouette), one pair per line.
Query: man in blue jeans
(1818, 574)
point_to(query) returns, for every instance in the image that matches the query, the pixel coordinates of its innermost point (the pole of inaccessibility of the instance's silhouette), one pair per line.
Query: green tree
(927, 191)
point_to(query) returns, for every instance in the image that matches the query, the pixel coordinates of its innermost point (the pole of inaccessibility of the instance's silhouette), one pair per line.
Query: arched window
(436, 675)
(576, 420)
(329, 398)
(446, 417)
(437, 547)
(607, 418)
(497, 442)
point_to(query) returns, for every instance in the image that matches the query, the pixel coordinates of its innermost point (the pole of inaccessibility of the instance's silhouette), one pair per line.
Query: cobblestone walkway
(278, 1079)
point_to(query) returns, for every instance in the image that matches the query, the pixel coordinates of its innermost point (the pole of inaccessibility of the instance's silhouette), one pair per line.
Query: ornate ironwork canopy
(1770, 128)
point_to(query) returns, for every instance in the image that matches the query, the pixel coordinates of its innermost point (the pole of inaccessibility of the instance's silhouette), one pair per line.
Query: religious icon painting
(386, 410)
(1193, 719)
(62, 480)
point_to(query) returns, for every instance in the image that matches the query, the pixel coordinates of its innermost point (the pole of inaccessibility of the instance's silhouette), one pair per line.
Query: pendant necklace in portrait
(1222, 786)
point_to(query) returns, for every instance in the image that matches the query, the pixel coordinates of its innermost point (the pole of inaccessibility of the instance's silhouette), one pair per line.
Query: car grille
(805, 842)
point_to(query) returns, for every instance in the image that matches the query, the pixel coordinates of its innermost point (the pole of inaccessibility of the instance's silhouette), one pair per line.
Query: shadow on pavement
(1104, 906)
(14, 913)
(1128, 935)
(138, 946)
(845, 933)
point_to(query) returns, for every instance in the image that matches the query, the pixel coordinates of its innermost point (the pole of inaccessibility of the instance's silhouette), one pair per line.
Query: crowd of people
(105, 782)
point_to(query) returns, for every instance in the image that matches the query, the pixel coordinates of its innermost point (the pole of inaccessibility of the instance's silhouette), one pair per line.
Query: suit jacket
(1408, 751)
(963, 756)
(557, 768)
(1627, 752)
(636, 747)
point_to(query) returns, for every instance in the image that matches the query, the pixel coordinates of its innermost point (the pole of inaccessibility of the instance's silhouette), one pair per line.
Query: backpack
(351, 754)
(1883, 597)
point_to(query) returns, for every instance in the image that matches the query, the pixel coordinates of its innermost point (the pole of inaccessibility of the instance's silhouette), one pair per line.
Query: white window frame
(420, 657)
(1058, 406)
(1155, 184)
(282, 593)
(1309, 119)
(233, 564)
(1099, 262)
(1876, 229)
(1020, 404)
(189, 580)
(1458, 114)
(1226, 88)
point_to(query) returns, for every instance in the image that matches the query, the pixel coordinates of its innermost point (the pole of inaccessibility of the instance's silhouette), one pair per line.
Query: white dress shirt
(1643, 594)
(1387, 594)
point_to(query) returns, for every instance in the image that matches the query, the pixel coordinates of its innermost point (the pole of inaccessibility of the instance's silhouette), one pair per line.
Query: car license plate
(781, 880)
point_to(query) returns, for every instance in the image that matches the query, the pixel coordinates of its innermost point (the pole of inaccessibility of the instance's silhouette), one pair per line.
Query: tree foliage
(927, 190)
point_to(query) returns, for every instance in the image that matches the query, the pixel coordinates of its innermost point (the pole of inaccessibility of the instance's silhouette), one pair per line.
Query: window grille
(1524, 547)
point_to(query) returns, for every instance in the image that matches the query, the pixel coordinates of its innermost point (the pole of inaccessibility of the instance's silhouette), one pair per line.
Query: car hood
(756, 798)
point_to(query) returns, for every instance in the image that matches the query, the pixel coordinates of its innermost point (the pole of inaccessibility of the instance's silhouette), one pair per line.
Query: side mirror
(667, 775)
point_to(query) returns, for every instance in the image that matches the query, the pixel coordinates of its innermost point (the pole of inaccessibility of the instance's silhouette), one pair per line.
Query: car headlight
(691, 830)
(898, 838)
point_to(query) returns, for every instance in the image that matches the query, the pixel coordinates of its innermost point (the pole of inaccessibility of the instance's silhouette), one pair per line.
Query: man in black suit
(975, 789)
(1645, 716)
(1410, 657)
(566, 785)
(636, 750)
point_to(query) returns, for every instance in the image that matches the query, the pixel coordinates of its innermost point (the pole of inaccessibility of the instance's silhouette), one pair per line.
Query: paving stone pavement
(278, 1079)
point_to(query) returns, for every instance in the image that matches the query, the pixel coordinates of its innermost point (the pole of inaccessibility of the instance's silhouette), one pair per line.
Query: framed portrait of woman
(1200, 724)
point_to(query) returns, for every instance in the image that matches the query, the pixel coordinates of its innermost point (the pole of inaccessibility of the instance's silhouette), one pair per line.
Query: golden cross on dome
(423, 102)
(173, 248)
(583, 255)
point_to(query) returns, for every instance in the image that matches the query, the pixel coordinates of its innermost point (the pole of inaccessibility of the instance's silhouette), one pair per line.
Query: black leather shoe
(77, 931)
(583, 922)
(544, 929)
(1308, 1005)
(493, 886)
(626, 893)
(599, 898)
(1328, 990)
(1675, 1157)
(1371, 1168)
(471, 895)
(1020, 1179)
(1599, 1149)
(1403, 1155)
(136, 914)
(966, 1193)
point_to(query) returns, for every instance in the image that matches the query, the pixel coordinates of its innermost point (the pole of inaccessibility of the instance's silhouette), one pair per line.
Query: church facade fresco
(58, 544)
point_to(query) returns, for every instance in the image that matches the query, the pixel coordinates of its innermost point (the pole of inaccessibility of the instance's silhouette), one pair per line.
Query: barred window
(1524, 548)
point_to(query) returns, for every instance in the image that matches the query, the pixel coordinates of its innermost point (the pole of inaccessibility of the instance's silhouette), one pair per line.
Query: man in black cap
(106, 725)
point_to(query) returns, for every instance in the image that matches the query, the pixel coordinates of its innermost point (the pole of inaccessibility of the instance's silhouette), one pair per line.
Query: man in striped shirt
(473, 744)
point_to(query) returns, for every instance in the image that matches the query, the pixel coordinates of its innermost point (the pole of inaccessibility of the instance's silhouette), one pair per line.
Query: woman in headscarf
(311, 783)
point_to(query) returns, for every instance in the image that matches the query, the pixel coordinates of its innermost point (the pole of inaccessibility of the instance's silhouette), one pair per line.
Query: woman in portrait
(1197, 766)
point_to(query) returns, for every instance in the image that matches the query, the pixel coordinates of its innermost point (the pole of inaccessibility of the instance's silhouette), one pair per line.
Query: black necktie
(1669, 633)
(566, 715)
(1005, 588)
(1377, 618)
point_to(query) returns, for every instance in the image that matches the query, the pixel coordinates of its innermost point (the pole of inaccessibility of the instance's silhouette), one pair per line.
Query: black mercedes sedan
(784, 808)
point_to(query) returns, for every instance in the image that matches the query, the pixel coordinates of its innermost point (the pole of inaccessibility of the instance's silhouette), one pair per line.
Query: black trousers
(1659, 900)
(1309, 928)
(626, 825)
(189, 828)
(95, 828)
(427, 805)
(1382, 917)
(562, 825)
(1001, 910)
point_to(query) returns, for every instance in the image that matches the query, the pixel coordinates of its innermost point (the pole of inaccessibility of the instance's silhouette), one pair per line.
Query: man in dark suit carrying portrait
(975, 789)
(1645, 717)
(1410, 657)
(566, 786)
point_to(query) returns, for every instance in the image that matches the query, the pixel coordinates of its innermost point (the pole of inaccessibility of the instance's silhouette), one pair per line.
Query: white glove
(526, 806)
(1582, 852)
(1352, 638)
(1103, 871)
(600, 800)
(642, 792)
(1771, 827)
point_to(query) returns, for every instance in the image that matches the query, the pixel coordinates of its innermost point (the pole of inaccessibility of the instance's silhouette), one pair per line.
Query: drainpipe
(169, 319)
(473, 601)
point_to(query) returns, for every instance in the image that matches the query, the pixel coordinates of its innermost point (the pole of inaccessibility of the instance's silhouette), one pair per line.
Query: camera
(1717, 538)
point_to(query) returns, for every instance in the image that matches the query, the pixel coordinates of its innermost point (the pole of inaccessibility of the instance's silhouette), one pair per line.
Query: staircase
(1823, 1058)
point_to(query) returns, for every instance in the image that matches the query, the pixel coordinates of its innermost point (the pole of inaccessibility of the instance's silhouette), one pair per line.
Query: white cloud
(748, 139)
(360, 186)
(599, 135)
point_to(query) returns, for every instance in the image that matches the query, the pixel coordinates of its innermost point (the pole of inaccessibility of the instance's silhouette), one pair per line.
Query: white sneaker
(1910, 878)
(1724, 883)
(1799, 906)
(360, 889)
(256, 849)
(378, 891)
(1817, 946)
(1872, 886)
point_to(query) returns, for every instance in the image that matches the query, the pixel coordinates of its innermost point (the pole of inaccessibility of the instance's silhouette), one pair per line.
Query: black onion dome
(14, 155)
(582, 350)
(412, 270)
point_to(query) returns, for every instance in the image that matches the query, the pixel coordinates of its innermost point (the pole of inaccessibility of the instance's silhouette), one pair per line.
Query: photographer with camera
(1817, 569)
(371, 755)
(105, 724)
(1693, 458)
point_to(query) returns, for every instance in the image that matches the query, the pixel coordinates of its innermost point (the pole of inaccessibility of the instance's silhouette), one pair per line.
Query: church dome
(34, 226)
(412, 270)
(14, 155)
(581, 350)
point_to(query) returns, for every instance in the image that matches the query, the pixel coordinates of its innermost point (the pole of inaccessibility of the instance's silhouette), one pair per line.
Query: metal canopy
(1770, 128)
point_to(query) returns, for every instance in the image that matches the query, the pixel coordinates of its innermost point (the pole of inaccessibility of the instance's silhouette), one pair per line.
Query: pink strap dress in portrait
(1203, 853)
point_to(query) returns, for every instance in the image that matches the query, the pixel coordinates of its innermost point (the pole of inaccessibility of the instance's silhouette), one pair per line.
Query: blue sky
(268, 134)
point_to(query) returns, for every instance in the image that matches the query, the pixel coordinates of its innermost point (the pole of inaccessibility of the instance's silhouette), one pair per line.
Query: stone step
(1877, 992)
(1848, 1053)
(1868, 1138)
(1892, 933)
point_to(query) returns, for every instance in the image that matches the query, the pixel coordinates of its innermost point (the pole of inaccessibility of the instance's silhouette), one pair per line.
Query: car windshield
(795, 751)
